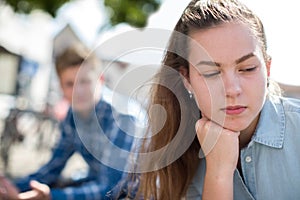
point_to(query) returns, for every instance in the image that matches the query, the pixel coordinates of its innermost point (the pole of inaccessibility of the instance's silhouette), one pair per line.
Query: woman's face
(228, 75)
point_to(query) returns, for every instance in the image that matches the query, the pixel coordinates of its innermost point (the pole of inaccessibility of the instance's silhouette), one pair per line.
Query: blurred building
(9, 69)
(112, 69)
(290, 90)
(16, 74)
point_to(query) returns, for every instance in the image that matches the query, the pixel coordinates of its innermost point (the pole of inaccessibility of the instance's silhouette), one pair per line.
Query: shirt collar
(271, 125)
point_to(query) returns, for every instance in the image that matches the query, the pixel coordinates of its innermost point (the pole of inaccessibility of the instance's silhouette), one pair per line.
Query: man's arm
(50, 172)
(88, 190)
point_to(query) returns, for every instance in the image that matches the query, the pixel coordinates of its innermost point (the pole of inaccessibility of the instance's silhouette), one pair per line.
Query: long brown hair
(180, 113)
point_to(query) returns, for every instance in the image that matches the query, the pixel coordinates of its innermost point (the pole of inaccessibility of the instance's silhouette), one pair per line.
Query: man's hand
(39, 192)
(9, 192)
(7, 189)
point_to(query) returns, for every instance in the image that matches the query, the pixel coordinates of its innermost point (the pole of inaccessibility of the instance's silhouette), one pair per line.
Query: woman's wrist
(218, 185)
(220, 173)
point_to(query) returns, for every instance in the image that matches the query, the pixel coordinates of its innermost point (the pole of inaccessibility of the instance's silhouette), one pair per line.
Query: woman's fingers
(220, 146)
(208, 134)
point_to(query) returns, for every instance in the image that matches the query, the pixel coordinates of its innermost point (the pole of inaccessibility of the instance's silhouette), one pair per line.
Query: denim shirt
(271, 161)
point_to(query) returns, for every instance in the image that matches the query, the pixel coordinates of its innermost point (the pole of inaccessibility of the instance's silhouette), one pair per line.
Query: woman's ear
(184, 74)
(268, 65)
(101, 79)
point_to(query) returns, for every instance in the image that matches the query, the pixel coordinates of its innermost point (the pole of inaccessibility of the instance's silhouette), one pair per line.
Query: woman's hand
(220, 147)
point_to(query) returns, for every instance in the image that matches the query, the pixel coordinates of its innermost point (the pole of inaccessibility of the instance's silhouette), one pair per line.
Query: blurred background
(33, 32)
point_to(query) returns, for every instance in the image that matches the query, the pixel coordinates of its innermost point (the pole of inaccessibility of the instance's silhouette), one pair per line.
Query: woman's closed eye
(248, 69)
(210, 73)
(214, 73)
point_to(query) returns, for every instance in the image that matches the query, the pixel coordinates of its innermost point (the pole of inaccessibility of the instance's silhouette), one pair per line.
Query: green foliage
(133, 12)
(26, 6)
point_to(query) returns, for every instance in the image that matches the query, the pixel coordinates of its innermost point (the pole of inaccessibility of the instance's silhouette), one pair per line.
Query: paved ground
(24, 160)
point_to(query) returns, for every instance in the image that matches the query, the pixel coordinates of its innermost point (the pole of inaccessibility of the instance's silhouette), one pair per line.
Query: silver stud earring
(191, 94)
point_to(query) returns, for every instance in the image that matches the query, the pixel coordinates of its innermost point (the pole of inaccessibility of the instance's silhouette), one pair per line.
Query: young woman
(214, 88)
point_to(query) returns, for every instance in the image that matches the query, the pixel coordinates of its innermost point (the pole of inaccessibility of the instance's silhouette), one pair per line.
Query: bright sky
(279, 17)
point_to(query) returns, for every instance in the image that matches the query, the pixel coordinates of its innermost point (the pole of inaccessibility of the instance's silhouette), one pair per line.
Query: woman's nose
(232, 85)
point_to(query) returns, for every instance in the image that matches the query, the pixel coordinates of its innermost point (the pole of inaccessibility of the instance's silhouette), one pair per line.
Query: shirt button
(248, 159)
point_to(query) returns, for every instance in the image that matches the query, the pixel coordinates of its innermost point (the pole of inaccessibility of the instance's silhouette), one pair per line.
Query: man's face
(78, 85)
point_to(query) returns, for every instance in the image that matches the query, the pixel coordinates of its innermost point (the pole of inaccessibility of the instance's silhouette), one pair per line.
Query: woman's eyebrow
(245, 57)
(209, 63)
(216, 64)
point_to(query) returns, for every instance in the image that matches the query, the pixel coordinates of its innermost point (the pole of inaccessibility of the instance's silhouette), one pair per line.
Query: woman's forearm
(218, 186)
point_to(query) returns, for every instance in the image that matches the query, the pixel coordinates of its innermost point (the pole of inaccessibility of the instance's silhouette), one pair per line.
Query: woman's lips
(234, 110)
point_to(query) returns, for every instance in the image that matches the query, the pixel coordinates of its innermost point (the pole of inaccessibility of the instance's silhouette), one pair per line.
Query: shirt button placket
(249, 169)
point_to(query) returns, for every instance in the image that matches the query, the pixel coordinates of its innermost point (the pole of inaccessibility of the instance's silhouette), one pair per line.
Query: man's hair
(74, 56)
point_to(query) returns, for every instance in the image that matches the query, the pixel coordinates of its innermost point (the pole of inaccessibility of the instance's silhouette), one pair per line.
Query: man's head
(78, 73)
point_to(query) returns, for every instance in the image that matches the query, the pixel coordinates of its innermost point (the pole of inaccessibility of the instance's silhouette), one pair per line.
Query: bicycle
(20, 125)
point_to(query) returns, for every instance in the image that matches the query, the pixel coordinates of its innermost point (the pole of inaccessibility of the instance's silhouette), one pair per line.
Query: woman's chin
(236, 127)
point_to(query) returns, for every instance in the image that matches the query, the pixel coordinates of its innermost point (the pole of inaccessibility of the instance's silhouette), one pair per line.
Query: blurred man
(92, 128)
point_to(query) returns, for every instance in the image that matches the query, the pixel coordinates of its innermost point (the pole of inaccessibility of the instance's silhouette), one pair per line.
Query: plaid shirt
(79, 136)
